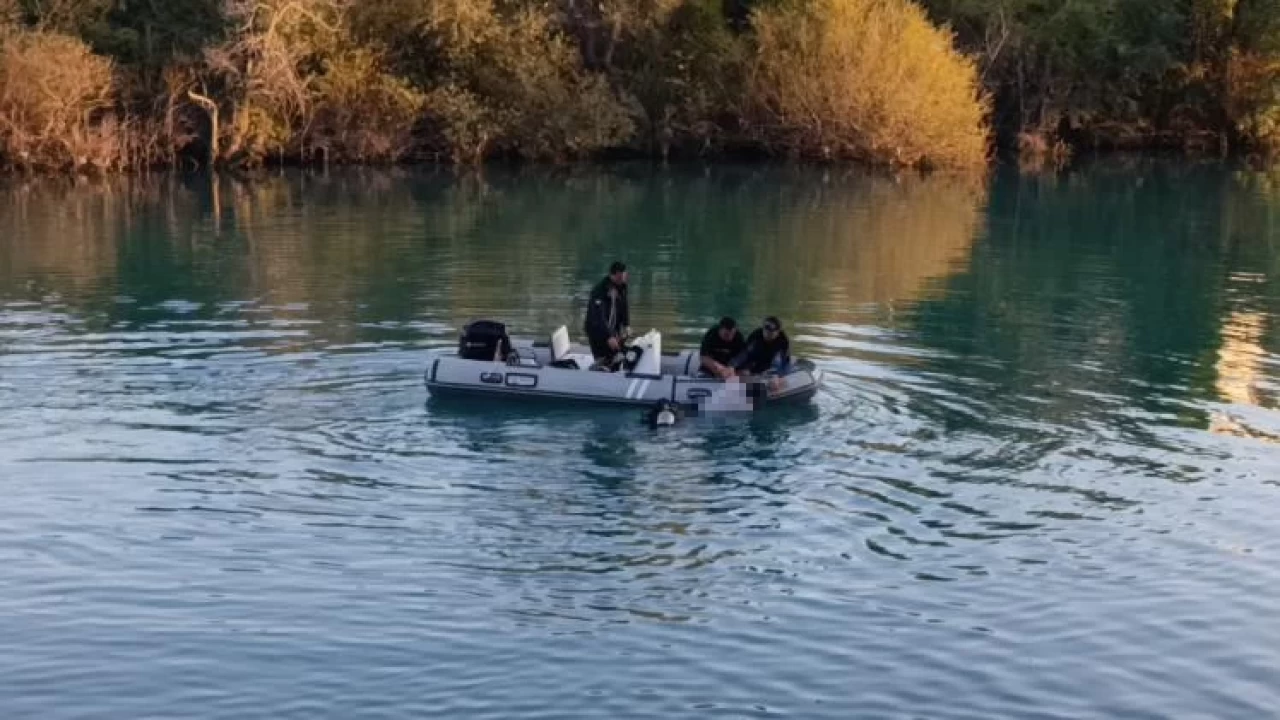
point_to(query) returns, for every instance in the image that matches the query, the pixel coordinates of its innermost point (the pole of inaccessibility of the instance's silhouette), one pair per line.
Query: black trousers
(600, 349)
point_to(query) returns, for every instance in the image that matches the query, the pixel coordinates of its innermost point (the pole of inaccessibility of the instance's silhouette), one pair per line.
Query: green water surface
(1041, 479)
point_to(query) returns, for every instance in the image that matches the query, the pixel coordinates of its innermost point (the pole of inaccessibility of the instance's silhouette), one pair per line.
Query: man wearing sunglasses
(767, 349)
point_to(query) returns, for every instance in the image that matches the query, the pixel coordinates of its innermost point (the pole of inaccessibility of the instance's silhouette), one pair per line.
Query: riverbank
(628, 164)
(319, 81)
(891, 83)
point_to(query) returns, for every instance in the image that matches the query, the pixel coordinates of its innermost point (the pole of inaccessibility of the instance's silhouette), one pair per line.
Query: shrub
(10, 13)
(553, 107)
(1253, 99)
(55, 102)
(264, 73)
(684, 67)
(363, 114)
(292, 82)
(514, 84)
(865, 79)
(466, 125)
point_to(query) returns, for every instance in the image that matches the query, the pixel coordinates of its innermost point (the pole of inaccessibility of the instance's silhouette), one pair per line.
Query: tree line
(116, 84)
(1197, 74)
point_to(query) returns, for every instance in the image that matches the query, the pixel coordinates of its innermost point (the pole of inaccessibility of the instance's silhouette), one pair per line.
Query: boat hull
(535, 379)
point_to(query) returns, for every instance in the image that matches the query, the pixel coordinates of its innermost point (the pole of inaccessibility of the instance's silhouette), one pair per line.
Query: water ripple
(1036, 483)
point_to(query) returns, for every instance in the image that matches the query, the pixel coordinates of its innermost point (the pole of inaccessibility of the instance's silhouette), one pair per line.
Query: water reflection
(213, 410)
(1241, 362)
(1098, 293)
(1089, 281)
(377, 254)
(1246, 377)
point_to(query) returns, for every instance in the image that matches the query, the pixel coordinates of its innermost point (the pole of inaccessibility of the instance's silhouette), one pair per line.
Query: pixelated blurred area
(731, 398)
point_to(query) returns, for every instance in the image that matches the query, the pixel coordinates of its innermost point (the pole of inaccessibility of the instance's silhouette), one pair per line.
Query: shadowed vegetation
(1199, 74)
(109, 84)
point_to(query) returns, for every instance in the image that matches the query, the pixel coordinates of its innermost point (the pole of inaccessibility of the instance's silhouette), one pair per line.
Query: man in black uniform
(720, 346)
(767, 349)
(608, 318)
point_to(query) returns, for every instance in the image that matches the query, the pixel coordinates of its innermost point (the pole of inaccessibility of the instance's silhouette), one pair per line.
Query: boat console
(643, 356)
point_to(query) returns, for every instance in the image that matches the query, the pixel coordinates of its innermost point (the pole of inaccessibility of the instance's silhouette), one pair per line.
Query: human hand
(613, 344)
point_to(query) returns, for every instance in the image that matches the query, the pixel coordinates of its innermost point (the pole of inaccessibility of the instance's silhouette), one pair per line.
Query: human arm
(716, 367)
(708, 362)
(743, 358)
(782, 358)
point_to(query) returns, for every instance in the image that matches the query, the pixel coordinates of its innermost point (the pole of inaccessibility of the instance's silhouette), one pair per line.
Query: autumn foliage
(865, 79)
(108, 84)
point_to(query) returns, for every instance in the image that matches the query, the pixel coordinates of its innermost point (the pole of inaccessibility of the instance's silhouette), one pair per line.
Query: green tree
(869, 80)
(502, 80)
(686, 71)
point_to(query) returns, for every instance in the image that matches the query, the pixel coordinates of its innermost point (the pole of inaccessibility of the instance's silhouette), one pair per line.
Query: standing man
(608, 319)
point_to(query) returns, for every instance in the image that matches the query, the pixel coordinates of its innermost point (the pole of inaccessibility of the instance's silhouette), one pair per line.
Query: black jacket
(720, 350)
(607, 314)
(760, 355)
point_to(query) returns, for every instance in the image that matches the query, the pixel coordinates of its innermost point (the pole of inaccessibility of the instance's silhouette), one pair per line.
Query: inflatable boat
(488, 363)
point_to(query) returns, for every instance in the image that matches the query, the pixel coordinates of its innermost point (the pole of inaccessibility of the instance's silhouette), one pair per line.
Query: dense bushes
(516, 85)
(1126, 73)
(865, 79)
(363, 114)
(55, 104)
(112, 83)
(681, 65)
(244, 82)
(1253, 99)
(291, 83)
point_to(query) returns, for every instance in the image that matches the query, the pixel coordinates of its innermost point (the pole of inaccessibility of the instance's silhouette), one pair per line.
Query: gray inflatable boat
(561, 371)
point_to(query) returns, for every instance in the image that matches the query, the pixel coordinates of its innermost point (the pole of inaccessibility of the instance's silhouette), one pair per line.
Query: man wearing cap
(767, 348)
(608, 317)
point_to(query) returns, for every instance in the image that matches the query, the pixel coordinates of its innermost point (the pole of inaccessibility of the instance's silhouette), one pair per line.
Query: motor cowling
(484, 340)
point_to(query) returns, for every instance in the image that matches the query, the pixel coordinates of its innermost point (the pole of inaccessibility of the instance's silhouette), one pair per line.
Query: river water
(1041, 480)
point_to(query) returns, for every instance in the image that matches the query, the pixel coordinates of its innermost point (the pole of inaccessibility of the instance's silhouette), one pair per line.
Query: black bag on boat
(484, 340)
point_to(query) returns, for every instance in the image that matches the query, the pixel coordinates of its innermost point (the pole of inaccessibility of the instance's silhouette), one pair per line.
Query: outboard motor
(484, 340)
